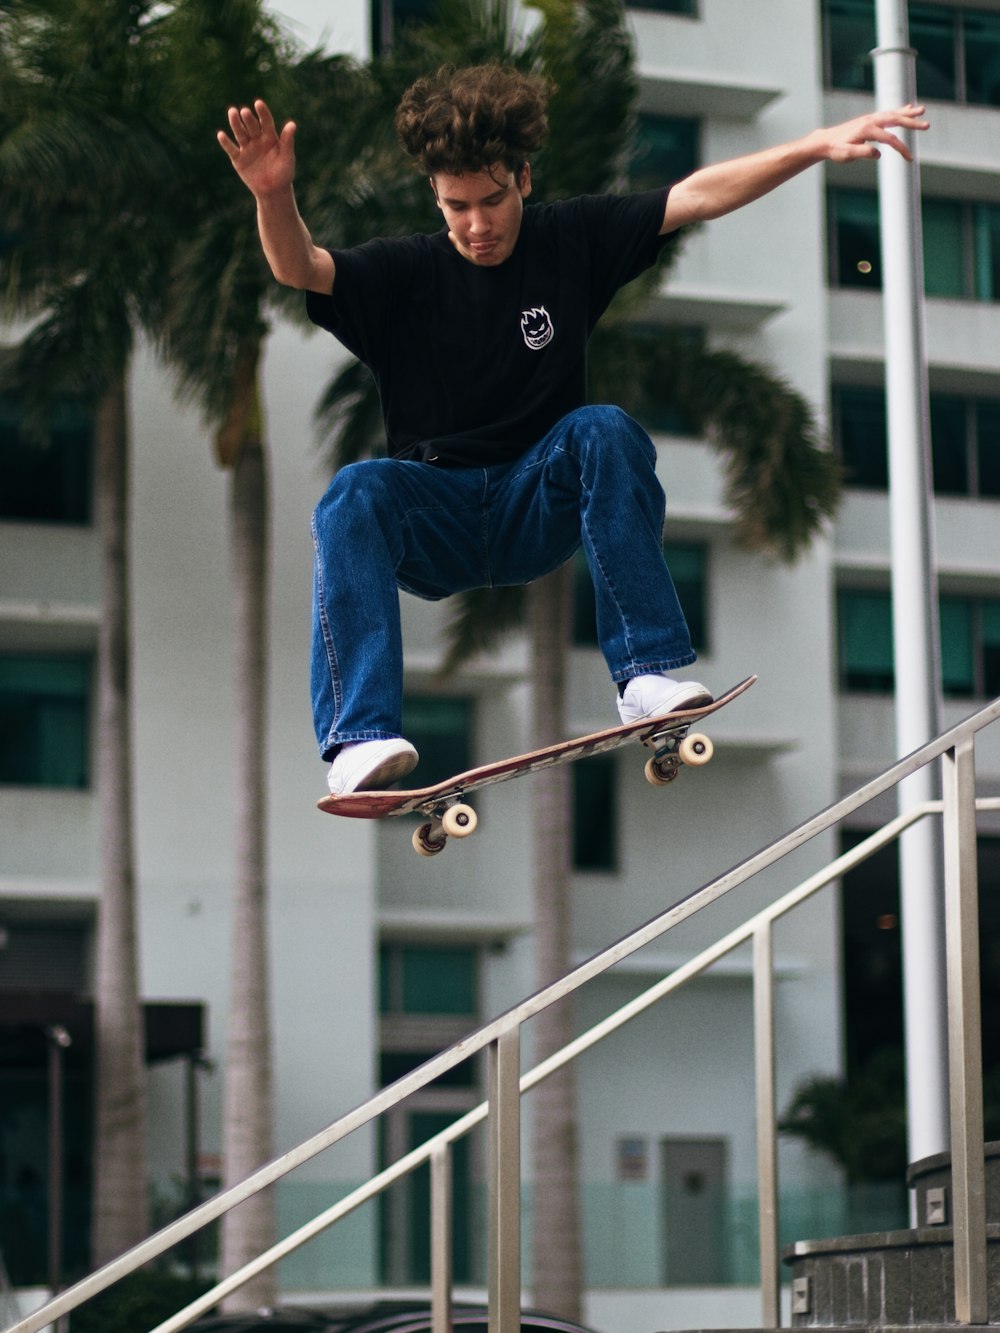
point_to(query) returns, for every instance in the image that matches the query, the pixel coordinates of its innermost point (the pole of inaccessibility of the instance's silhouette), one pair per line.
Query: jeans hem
(653, 668)
(338, 739)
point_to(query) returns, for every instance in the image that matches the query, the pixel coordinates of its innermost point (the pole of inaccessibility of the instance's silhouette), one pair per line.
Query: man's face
(483, 210)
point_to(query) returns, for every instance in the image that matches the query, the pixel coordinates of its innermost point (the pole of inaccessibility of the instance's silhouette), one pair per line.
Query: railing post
(505, 1182)
(767, 1157)
(968, 1170)
(441, 1238)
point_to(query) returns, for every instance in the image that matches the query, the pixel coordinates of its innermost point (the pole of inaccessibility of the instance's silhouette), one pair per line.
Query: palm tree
(82, 162)
(781, 483)
(212, 332)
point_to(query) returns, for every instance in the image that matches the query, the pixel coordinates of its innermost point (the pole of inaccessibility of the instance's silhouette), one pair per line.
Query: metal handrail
(500, 1038)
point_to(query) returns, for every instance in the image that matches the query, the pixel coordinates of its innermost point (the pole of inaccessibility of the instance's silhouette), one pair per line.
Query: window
(848, 41)
(688, 565)
(859, 433)
(417, 979)
(865, 621)
(854, 239)
(872, 966)
(965, 441)
(689, 7)
(970, 644)
(428, 998)
(934, 36)
(44, 716)
(595, 818)
(441, 729)
(666, 149)
(958, 49)
(389, 17)
(961, 245)
(47, 481)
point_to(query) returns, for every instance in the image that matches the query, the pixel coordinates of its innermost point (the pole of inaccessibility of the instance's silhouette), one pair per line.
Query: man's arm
(714, 191)
(265, 163)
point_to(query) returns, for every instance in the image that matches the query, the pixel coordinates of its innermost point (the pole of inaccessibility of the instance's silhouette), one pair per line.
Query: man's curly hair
(462, 120)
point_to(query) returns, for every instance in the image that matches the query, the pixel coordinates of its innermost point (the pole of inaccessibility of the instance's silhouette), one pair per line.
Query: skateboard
(670, 739)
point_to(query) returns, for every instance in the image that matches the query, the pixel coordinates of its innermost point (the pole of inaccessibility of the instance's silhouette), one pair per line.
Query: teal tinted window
(958, 49)
(944, 248)
(44, 713)
(961, 245)
(965, 441)
(986, 251)
(854, 225)
(688, 565)
(970, 643)
(988, 448)
(441, 729)
(46, 480)
(595, 822)
(990, 649)
(689, 7)
(849, 39)
(958, 674)
(950, 444)
(934, 35)
(427, 979)
(439, 981)
(393, 1065)
(982, 58)
(859, 427)
(665, 150)
(866, 641)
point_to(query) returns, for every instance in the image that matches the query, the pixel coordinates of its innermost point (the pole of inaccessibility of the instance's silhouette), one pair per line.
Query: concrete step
(893, 1279)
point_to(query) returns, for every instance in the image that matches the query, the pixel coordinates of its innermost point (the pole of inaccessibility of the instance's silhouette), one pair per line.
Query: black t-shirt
(474, 364)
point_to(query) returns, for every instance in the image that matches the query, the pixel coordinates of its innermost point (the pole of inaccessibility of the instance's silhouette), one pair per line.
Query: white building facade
(379, 957)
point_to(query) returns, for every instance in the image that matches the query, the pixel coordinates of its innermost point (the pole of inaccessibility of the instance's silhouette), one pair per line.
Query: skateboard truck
(450, 818)
(673, 746)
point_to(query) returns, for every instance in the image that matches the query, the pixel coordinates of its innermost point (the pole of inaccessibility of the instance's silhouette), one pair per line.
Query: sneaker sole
(695, 701)
(389, 771)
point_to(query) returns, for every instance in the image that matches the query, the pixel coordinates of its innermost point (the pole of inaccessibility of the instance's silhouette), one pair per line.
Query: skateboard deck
(669, 737)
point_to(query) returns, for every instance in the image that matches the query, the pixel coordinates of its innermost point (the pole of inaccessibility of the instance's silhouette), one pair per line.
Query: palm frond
(781, 481)
(586, 49)
(349, 416)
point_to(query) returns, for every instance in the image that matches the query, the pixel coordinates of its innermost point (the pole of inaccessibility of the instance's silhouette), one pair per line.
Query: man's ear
(524, 180)
(433, 184)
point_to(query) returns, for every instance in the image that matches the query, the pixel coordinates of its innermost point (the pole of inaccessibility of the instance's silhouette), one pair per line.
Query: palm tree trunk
(557, 1264)
(248, 1131)
(120, 1201)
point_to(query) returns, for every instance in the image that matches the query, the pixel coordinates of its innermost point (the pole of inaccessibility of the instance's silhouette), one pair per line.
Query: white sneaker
(652, 696)
(370, 765)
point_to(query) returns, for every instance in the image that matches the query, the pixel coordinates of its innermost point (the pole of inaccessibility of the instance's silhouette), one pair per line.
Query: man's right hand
(264, 160)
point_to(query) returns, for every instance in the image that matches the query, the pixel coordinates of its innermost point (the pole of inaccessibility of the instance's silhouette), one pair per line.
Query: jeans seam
(586, 495)
(331, 651)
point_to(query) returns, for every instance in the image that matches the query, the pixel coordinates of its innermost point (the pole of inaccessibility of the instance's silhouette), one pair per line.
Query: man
(476, 336)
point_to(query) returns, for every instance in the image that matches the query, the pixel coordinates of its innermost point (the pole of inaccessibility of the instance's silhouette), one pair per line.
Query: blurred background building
(380, 958)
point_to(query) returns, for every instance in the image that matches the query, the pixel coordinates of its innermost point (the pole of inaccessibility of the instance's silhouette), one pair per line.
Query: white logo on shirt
(537, 327)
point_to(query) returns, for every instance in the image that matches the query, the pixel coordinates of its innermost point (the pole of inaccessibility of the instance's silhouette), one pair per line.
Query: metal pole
(505, 1183)
(767, 1133)
(59, 1040)
(968, 1167)
(914, 594)
(441, 1238)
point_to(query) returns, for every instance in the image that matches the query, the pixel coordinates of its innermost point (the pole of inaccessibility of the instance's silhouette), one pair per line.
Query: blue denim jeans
(387, 524)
